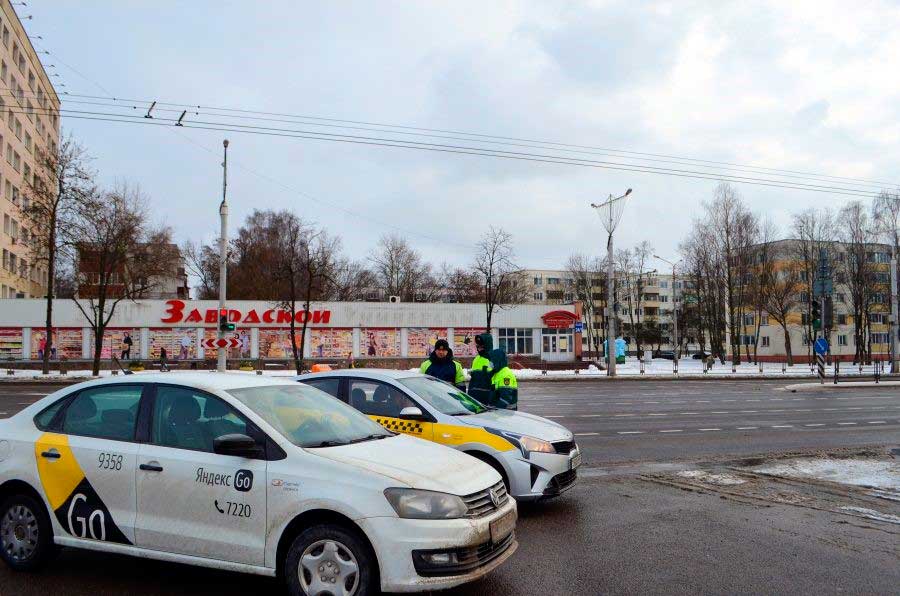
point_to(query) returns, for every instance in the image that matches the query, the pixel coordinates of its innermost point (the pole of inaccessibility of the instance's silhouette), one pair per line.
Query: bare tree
(857, 264)
(350, 281)
(120, 257)
(779, 291)
(500, 278)
(60, 182)
(632, 263)
(399, 268)
(588, 279)
(202, 263)
(815, 231)
(460, 285)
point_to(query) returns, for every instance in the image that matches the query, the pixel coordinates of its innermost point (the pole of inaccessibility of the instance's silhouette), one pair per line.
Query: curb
(846, 385)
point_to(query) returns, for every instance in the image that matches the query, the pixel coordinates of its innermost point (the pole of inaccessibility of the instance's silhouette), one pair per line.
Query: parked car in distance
(538, 458)
(250, 474)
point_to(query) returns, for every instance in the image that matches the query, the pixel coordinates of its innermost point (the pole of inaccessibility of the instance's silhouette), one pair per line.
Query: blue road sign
(579, 327)
(821, 346)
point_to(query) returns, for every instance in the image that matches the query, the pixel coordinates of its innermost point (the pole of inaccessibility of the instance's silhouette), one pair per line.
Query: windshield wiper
(372, 437)
(466, 413)
(328, 444)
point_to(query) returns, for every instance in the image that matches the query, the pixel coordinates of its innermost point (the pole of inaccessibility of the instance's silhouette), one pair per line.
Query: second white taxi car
(247, 474)
(537, 458)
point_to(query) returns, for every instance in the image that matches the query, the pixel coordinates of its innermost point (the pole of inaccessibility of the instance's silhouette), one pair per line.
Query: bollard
(877, 372)
(114, 372)
(577, 371)
(675, 366)
(760, 366)
(544, 372)
(10, 371)
(837, 369)
(62, 371)
(733, 369)
(642, 366)
(783, 367)
(259, 372)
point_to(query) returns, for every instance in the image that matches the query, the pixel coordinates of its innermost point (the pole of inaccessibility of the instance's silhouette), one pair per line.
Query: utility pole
(223, 255)
(610, 213)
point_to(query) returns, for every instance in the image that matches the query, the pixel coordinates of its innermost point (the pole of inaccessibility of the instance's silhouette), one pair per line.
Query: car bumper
(541, 475)
(395, 540)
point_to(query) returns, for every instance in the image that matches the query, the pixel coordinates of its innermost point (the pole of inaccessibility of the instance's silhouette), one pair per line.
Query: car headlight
(525, 443)
(410, 503)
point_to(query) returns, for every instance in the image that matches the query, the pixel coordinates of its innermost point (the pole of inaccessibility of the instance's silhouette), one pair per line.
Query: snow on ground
(710, 478)
(872, 514)
(883, 475)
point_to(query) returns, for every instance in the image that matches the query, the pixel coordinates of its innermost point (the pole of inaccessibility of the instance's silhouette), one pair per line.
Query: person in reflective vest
(504, 387)
(441, 365)
(480, 373)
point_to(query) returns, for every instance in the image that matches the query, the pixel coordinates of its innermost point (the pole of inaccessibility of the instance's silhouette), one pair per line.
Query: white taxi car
(537, 458)
(248, 474)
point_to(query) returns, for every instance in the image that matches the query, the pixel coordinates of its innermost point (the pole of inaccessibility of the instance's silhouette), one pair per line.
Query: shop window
(516, 341)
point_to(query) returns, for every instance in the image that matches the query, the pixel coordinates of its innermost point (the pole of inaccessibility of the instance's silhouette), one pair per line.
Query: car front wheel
(26, 536)
(329, 560)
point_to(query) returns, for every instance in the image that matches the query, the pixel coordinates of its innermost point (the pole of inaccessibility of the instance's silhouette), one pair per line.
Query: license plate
(575, 461)
(503, 527)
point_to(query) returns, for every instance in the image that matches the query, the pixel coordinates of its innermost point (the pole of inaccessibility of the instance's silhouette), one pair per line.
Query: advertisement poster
(420, 340)
(464, 341)
(114, 344)
(10, 344)
(180, 343)
(331, 343)
(243, 349)
(380, 343)
(66, 344)
(276, 343)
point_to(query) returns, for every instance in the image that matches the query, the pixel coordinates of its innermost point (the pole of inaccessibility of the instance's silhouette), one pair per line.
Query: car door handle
(151, 467)
(51, 454)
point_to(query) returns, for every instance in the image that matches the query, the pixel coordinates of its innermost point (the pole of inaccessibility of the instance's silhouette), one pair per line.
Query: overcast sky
(800, 85)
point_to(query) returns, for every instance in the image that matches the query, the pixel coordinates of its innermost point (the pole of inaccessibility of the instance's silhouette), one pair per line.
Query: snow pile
(883, 475)
(872, 514)
(710, 478)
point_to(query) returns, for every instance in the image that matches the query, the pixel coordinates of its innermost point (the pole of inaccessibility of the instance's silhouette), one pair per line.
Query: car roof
(210, 381)
(381, 374)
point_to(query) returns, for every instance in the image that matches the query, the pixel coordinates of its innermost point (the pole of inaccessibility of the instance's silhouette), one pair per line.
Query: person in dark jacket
(480, 373)
(441, 365)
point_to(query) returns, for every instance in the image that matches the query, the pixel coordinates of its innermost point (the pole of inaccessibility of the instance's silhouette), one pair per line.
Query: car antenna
(125, 371)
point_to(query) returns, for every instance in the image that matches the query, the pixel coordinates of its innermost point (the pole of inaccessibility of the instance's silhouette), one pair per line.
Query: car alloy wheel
(327, 567)
(19, 533)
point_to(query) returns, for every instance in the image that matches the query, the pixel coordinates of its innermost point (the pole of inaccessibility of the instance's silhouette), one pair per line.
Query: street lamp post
(223, 256)
(610, 213)
(674, 304)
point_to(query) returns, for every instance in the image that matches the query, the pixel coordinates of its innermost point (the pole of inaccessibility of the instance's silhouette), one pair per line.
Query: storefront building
(335, 330)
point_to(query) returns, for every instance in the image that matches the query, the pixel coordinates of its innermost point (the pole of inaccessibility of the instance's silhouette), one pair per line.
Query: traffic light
(829, 313)
(816, 315)
(224, 325)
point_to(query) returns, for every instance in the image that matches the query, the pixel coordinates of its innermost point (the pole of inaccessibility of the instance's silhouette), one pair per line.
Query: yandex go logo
(177, 312)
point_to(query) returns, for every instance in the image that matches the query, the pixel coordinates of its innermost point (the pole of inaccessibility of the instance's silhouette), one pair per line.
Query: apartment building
(29, 124)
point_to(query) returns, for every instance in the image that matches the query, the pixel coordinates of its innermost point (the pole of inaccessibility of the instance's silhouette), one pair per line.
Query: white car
(537, 458)
(249, 474)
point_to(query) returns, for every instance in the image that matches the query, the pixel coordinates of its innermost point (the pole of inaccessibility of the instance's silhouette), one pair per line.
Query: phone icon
(219, 509)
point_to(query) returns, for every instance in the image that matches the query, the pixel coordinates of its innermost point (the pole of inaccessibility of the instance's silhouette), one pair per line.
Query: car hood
(520, 423)
(416, 463)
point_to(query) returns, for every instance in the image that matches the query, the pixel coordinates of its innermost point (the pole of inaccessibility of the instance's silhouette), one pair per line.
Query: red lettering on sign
(321, 316)
(212, 315)
(269, 316)
(252, 317)
(302, 316)
(194, 317)
(284, 316)
(175, 311)
(234, 316)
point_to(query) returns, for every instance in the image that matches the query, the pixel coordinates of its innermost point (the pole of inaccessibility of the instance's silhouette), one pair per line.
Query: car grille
(560, 483)
(480, 503)
(469, 558)
(565, 447)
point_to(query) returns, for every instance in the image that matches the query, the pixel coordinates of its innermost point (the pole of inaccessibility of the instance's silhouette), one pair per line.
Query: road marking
(622, 415)
(708, 429)
(776, 399)
(661, 414)
(671, 431)
(784, 426)
(630, 432)
(688, 412)
(846, 423)
(718, 412)
(749, 411)
(586, 434)
(749, 400)
(24, 403)
(813, 425)
(702, 401)
(623, 403)
(878, 422)
(747, 427)
(651, 402)
(555, 416)
(724, 400)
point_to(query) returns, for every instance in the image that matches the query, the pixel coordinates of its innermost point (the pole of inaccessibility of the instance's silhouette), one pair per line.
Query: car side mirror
(237, 445)
(411, 413)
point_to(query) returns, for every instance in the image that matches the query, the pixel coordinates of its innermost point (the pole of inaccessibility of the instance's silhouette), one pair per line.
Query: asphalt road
(617, 532)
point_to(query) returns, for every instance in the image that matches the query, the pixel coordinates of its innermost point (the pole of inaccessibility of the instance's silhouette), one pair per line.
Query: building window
(765, 341)
(763, 320)
(553, 281)
(842, 319)
(516, 341)
(842, 340)
(538, 295)
(879, 338)
(748, 319)
(663, 298)
(877, 318)
(663, 284)
(538, 281)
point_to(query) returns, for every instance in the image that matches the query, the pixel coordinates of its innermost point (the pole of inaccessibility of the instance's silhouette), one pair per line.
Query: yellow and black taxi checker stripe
(400, 426)
(78, 507)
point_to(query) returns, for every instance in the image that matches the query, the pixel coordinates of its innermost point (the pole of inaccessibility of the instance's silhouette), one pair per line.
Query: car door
(383, 402)
(191, 500)
(86, 461)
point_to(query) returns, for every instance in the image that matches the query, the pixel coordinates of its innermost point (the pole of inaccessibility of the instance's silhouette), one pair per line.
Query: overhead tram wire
(381, 141)
(196, 107)
(518, 156)
(874, 187)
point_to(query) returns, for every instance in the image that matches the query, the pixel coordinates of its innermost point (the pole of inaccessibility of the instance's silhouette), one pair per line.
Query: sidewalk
(829, 384)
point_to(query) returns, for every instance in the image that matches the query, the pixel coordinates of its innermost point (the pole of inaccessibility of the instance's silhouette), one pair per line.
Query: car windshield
(308, 417)
(443, 397)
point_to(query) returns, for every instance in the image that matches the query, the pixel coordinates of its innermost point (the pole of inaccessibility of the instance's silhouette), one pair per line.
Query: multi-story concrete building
(29, 112)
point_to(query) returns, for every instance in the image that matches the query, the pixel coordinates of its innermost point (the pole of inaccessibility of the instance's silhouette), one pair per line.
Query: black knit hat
(441, 343)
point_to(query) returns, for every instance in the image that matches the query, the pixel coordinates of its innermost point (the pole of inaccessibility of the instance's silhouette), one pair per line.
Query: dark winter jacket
(480, 381)
(446, 369)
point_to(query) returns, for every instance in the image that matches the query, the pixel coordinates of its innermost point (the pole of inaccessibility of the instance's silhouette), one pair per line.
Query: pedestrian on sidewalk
(163, 360)
(126, 353)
